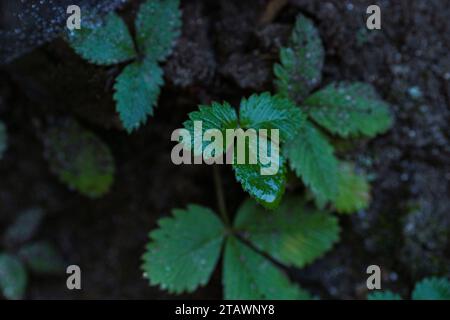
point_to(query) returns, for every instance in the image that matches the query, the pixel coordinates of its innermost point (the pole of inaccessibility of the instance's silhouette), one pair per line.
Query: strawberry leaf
(349, 110)
(312, 158)
(137, 92)
(158, 24)
(302, 62)
(292, 234)
(249, 276)
(105, 41)
(185, 249)
(79, 158)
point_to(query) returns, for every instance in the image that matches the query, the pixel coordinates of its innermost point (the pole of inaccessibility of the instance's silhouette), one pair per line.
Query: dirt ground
(226, 53)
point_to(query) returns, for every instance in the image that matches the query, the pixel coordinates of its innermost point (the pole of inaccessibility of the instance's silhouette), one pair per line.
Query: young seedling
(108, 42)
(428, 289)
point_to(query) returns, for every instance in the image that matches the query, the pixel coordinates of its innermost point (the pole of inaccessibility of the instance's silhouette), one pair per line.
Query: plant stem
(220, 196)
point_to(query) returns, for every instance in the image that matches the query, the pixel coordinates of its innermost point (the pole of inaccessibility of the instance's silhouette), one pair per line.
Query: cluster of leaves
(257, 112)
(3, 139)
(184, 251)
(342, 109)
(79, 158)
(40, 257)
(428, 289)
(345, 110)
(108, 41)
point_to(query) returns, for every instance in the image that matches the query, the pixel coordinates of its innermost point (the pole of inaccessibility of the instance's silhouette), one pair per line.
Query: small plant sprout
(107, 42)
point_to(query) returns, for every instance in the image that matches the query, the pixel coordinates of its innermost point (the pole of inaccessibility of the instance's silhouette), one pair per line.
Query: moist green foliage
(158, 24)
(354, 190)
(137, 91)
(302, 61)
(349, 110)
(183, 252)
(79, 159)
(312, 159)
(13, 277)
(270, 112)
(261, 111)
(3, 139)
(107, 41)
(293, 234)
(432, 288)
(343, 109)
(217, 116)
(248, 275)
(266, 189)
(104, 41)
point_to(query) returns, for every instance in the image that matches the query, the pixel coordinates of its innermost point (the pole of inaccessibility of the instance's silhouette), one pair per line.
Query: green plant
(428, 289)
(257, 112)
(108, 42)
(184, 251)
(3, 139)
(342, 109)
(79, 158)
(40, 257)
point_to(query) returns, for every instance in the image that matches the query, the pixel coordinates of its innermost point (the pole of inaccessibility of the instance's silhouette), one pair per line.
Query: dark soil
(225, 53)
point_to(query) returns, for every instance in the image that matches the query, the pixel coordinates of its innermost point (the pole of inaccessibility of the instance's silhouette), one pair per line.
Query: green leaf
(257, 112)
(264, 111)
(24, 228)
(293, 234)
(184, 251)
(266, 189)
(432, 289)
(383, 295)
(349, 110)
(158, 24)
(353, 190)
(104, 42)
(249, 276)
(79, 158)
(301, 65)
(312, 158)
(42, 258)
(13, 277)
(137, 92)
(3, 139)
(217, 116)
